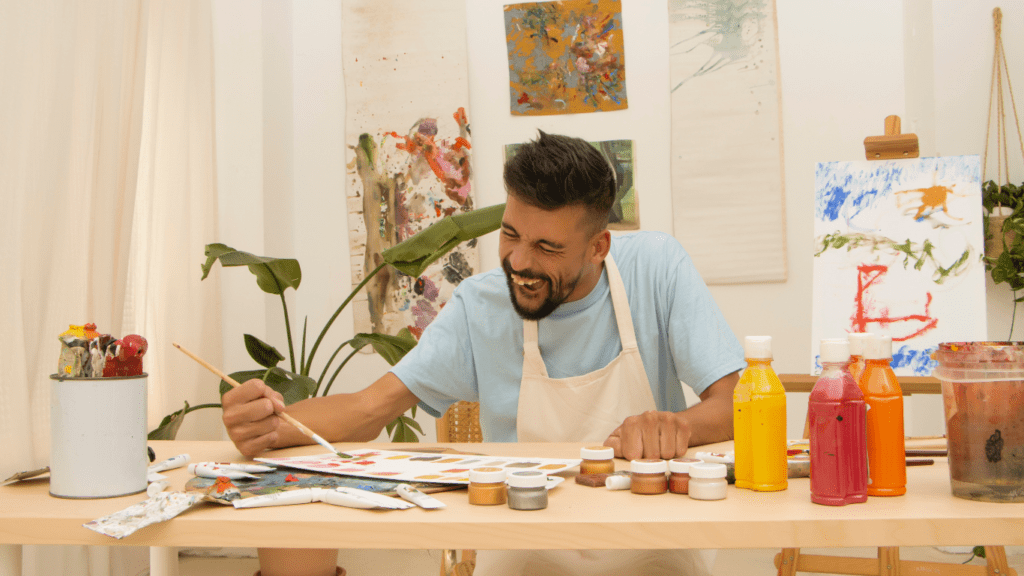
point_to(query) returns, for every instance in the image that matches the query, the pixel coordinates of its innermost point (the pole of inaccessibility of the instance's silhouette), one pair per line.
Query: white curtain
(108, 196)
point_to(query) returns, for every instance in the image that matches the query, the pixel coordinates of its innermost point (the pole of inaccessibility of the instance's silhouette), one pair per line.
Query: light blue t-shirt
(473, 350)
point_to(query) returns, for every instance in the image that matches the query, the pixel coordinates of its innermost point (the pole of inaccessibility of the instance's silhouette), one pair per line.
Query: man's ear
(600, 245)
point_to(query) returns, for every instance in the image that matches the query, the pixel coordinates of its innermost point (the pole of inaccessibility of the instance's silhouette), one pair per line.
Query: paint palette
(417, 466)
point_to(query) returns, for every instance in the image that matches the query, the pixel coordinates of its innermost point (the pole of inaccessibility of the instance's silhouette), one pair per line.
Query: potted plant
(1004, 236)
(275, 275)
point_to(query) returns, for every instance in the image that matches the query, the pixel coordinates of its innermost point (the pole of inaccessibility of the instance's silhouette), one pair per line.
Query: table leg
(786, 560)
(163, 561)
(995, 558)
(10, 559)
(889, 561)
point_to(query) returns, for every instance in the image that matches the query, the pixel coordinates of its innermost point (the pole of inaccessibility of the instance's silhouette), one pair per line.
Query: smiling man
(578, 337)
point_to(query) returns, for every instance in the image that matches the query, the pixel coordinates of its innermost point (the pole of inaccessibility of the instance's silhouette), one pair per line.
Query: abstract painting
(565, 57)
(409, 144)
(727, 179)
(898, 247)
(625, 212)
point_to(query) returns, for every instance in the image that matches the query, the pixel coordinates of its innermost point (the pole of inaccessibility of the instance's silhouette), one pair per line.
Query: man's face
(546, 255)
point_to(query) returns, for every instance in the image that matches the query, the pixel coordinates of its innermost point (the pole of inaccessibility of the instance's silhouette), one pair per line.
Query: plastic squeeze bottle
(887, 465)
(837, 413)
(857, 340)
(759, 421)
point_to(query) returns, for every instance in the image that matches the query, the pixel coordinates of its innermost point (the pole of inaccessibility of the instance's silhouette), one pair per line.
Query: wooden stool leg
(888, 561)
(785, 561)
(995, 558)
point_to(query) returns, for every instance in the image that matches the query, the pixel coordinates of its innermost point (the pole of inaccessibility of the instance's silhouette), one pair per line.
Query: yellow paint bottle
(759, 421)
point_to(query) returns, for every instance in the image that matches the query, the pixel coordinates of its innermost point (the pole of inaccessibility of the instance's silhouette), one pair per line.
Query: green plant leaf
(169, 426)
(264, 354)
(391, 348)
(294, 387)
(414, 255)
(273, 275)
(403, 427)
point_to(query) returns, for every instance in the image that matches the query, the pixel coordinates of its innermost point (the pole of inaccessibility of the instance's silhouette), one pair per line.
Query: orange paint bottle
(887, 465)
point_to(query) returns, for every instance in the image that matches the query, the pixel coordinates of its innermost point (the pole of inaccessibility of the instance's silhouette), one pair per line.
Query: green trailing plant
(1008, 267)
(299, 380)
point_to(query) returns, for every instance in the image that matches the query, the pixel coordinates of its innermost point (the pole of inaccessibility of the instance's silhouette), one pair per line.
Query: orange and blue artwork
(898, 252)
(565, 57)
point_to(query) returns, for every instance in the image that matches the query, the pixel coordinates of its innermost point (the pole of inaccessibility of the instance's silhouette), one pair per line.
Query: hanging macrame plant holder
(998, 236)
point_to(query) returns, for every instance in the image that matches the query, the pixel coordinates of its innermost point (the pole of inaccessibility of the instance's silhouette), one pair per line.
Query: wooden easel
(891, 146)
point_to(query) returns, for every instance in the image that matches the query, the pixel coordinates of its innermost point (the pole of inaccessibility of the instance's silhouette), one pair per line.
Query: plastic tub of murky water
(983, 395)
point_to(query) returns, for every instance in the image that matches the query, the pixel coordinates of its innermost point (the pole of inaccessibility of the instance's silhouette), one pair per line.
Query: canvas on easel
(898, 248)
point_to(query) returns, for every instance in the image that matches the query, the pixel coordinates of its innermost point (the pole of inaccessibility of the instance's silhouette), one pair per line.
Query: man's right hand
(249, 416)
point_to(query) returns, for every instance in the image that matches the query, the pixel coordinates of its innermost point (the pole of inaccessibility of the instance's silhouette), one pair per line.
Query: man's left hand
(658, 435)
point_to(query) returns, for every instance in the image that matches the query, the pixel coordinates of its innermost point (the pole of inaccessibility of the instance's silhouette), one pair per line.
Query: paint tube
(302, 496)
(355, 498)
(156, 488)
(171, 463)
(216, 472)
(250, 468)
(155, 477)
(617, 481)
(418, 498)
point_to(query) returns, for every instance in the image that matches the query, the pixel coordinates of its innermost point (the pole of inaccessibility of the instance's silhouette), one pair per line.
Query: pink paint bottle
(838, 422)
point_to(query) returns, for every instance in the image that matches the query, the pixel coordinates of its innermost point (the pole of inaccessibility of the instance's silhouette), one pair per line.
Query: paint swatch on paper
(415, 466)
(625, 213)
(565, 57)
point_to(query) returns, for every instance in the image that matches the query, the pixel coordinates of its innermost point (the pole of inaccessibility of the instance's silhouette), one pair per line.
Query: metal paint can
(97, 436)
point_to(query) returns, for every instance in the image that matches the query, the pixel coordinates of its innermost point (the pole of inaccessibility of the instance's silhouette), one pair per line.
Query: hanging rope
(999, 69)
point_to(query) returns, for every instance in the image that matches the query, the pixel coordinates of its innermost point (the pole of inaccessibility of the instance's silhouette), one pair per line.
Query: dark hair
(556, 171)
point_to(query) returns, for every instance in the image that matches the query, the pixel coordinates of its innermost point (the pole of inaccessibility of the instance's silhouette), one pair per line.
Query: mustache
(507, 267)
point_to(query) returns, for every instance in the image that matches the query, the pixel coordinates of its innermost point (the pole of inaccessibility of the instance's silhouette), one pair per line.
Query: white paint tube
(617, 481)
(170, 464)
(156, 488)
(355, 498)
(250, 468)
(418, 498)
(216, 472)
(302, 496)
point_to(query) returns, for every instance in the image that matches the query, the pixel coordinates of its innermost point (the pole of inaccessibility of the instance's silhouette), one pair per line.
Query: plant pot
(996, 220)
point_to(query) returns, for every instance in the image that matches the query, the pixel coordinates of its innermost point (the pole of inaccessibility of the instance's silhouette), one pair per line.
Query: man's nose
(520, 258)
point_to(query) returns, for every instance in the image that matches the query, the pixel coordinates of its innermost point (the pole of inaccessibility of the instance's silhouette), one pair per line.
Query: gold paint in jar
(597, 460)
(487, 486)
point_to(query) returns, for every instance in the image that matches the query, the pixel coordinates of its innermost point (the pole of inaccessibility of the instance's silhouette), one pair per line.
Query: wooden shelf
(909, 384)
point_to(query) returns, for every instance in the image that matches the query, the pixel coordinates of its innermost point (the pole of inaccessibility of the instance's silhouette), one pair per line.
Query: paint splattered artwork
(224, 491)
(416, 466)
(625, 212)
(565, 57)
(727, 185)
(402, 183)
(898, 248)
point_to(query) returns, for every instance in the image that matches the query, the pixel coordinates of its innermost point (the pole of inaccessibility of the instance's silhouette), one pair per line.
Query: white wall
(845, 66)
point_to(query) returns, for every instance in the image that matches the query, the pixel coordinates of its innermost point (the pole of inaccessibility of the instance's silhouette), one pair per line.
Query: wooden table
(577, 516)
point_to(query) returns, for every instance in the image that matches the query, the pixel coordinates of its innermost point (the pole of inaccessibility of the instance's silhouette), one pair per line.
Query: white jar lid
(487, 475)
(648, 466)
(757, 347)
(707, 470)
(878, 348)
(834, 350)
(679, 465)
(597, 453)
(857, 340)
(527, 479)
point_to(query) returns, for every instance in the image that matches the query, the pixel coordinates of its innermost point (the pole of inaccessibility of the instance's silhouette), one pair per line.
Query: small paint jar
(707, 481)
(527, 490)
(487, 486)
(597, 460)
(648, 477)
(679, 474)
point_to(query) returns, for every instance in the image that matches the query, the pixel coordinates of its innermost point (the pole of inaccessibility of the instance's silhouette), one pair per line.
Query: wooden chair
(461, 423)
(790, 561)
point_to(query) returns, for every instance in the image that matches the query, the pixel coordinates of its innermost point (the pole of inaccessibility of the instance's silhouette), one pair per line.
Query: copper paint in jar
(679, 479)
(648, 477)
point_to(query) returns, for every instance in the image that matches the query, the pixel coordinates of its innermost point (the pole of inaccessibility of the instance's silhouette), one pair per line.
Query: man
(577, 337)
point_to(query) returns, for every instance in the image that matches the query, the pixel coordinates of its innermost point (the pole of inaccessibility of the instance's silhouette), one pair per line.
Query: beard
(557, 292)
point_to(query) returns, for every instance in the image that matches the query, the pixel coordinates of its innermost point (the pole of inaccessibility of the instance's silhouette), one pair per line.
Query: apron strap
(620, 304)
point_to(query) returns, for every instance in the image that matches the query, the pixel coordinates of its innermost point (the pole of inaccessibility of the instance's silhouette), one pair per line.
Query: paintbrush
(287, 417)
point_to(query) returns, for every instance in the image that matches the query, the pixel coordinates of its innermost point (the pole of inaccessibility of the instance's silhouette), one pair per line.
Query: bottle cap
(527, 479)
(834, 350)
(597, 453)
(648, 466)
(707, 470)
(759, 347)
(878, 348)
(487, 475)
(857, 340)
(681, 465)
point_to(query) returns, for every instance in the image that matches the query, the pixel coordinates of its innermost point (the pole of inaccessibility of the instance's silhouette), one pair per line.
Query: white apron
(587, 409)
